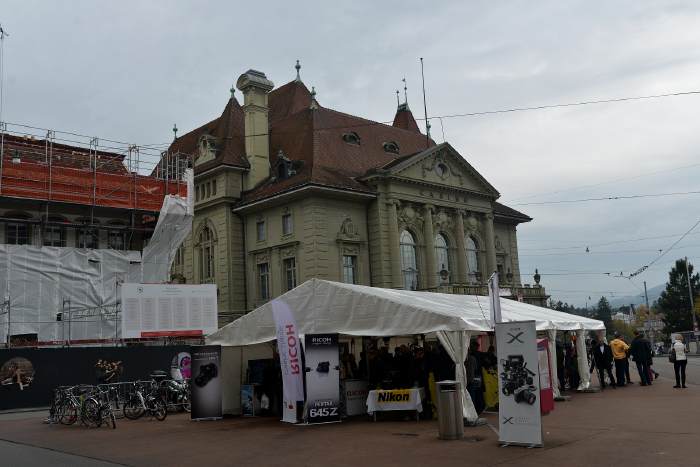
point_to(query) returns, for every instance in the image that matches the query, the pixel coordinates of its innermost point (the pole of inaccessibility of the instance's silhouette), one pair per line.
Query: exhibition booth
(327, 316)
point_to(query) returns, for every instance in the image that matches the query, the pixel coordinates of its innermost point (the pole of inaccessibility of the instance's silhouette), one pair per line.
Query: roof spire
(232, 90)
(405, 91)
(314, 104)
(298, 67)
(397, 98)
(174, 131)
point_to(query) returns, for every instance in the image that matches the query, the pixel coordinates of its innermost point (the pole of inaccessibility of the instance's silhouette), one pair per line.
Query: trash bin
(449, 407)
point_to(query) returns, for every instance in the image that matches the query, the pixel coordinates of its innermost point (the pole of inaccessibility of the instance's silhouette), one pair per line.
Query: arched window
(116, 239)
(408, 261)
(18, 233)
(54, 232)
(87, 236)
(206, 255)
(442, 258)
(472, 259)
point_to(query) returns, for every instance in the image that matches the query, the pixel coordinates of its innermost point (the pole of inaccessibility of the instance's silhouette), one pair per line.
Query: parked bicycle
(145, 399)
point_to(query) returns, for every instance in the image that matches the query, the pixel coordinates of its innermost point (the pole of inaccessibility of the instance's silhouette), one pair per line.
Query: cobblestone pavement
(628, 426)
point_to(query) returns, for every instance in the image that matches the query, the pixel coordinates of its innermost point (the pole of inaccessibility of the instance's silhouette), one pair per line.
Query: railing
(536, 294)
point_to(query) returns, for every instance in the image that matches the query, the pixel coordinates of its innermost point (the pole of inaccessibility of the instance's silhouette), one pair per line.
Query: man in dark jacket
(640, 351)
(603, 361)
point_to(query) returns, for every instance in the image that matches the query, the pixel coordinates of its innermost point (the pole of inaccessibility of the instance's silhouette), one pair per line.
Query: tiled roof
(505, 211)
(74, 157)
(228, 131)
(314, 139)
(404, 119)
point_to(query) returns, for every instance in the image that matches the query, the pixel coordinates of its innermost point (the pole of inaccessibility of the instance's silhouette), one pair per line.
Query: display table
(381, 400)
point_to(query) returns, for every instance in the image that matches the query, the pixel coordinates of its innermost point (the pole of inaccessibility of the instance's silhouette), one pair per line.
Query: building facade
(287, 190)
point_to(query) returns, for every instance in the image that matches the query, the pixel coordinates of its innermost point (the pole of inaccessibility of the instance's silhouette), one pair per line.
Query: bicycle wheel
(108, 417)
(67, 414)
(91, 413)
(132, 408)
(160, 410)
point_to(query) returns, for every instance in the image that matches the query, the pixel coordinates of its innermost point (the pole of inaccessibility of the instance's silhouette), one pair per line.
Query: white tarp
(173, 226)
(321, 306)
(37, 280)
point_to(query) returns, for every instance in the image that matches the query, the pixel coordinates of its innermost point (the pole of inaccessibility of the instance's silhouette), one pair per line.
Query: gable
(442, 165)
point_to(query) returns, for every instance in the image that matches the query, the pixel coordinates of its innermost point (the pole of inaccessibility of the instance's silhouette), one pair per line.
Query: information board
(157, 310)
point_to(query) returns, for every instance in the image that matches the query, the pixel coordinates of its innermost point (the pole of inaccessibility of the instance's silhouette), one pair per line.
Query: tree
(674, 302)
(603, 312)
(626, 330)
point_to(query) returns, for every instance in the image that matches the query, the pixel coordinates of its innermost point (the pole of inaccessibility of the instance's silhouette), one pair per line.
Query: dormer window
(351, 138)
(284, 168)
(207, 148)
(391, 147)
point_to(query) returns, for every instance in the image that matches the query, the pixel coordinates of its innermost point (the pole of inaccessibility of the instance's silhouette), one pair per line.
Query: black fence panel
(28, 376)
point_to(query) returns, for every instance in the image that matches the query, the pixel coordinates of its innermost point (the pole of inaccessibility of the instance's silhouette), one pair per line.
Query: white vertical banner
(289, 348)
(519, 417)
(494, 298)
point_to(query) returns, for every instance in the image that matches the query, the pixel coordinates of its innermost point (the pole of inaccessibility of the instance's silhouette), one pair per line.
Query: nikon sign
(519, 415)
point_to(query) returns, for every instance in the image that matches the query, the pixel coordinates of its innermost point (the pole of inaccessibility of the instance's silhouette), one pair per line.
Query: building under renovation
(74, 220)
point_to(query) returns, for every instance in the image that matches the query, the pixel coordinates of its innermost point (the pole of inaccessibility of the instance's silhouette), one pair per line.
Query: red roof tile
(404, 119)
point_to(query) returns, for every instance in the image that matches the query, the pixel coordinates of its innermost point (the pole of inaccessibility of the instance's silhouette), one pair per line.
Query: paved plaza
(628, 426)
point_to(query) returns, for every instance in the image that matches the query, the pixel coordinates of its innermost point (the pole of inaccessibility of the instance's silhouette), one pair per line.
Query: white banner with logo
(394, 399)
(520, 421)
(289, 349)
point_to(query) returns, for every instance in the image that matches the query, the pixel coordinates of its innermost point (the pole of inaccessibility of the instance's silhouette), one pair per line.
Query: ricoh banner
(520, 421)
(289, 349)
(322, 378)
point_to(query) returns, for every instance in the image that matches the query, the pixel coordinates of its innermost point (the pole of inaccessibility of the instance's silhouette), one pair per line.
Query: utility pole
(649, 320)
(690, 294)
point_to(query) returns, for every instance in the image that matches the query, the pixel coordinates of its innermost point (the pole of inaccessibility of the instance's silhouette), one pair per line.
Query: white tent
(321, 306)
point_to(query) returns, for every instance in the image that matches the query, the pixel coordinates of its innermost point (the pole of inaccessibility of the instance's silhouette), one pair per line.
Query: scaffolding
(47, 170)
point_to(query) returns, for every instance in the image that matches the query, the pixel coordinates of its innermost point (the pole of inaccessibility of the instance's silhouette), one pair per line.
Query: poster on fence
(322, 378)
(158, 310)
(519, 417)
(206, 382)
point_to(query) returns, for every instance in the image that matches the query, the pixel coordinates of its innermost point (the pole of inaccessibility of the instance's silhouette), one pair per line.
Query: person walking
(679, 362)
(619, 350)
(640, 350)
(603, 361)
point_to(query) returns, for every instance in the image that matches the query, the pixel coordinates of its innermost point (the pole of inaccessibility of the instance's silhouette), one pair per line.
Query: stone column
(490, 247)
(430, 279)
(394, 246)
(461, 249)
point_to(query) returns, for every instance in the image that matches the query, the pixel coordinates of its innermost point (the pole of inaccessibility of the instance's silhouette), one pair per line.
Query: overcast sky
(128, 70)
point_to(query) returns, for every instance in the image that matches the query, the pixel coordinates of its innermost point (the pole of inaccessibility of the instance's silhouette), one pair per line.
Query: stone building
(287, 190)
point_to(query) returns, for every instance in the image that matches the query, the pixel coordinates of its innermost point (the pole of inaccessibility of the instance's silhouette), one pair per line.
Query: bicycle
(142, 402)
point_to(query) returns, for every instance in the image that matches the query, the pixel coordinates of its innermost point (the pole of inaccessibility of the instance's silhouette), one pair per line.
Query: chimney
(255, 86)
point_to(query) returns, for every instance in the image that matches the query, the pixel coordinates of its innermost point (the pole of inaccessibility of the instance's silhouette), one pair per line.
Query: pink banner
(289, 348)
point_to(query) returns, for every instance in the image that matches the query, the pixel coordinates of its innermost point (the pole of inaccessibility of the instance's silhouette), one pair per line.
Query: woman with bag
(677, 356)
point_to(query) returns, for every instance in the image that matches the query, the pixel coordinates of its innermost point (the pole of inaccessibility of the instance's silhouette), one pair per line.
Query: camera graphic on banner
(517, 380)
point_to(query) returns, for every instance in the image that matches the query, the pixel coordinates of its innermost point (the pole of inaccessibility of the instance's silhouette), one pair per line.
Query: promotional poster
(289, 349)
(206, 382)
(322, 378)
(519, 384)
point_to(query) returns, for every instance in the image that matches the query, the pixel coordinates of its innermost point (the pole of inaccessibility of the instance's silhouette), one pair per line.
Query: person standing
(640, 350)
(680, 361)
(603, 361)
(619, 350)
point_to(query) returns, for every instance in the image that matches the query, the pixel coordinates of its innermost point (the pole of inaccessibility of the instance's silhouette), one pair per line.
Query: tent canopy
(321, 306)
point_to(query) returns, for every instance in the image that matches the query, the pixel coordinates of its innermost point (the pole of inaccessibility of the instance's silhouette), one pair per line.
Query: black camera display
(517, 380)
(206, 373)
